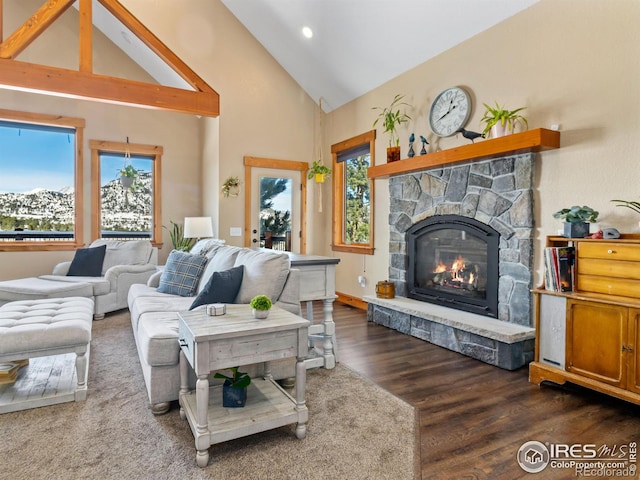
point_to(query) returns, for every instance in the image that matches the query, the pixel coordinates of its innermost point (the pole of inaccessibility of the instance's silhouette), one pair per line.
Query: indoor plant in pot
(500, 121)
(234, 389)
(577, 220)
(392, 118)
(318, 171)
(261, 304)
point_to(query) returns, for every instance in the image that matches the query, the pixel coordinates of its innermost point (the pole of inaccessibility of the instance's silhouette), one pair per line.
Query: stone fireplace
(494, 195)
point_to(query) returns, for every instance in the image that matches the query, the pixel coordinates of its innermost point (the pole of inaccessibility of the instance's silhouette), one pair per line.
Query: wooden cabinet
(597, 324)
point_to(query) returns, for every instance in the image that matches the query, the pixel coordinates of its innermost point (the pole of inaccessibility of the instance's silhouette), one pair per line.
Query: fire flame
(456, 269)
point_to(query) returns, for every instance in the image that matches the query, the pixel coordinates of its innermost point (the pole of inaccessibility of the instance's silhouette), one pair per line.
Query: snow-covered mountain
(41, 209)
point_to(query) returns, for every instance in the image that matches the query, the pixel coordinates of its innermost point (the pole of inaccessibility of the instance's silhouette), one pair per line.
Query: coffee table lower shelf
(268, 406)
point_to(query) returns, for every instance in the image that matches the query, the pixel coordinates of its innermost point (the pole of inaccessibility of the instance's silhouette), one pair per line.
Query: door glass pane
(275, 213)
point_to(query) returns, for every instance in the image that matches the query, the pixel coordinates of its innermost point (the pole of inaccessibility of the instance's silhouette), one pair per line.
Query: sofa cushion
(133, 252)
(222, 287)
(158, 338)
(182, 273)
(221, 258)
(202, 247)
(87, 262)
(265, 273)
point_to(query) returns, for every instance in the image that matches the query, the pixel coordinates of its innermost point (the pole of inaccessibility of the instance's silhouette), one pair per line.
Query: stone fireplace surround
(499, 193)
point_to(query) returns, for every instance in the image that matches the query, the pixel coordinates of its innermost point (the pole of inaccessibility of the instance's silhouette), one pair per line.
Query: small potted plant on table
(234, 389)
(261, 304)
(577, 220)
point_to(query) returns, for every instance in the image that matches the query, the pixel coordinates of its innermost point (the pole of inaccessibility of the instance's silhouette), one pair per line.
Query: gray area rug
(356, 430)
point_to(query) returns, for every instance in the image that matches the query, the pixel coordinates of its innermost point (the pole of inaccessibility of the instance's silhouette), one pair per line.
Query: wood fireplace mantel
(535, 140)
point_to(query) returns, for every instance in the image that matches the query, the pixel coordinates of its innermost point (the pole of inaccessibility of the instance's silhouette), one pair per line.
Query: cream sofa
(125, 263)
(154, 316)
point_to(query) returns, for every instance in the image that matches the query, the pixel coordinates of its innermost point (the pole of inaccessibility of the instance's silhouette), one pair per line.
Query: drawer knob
(609, 251)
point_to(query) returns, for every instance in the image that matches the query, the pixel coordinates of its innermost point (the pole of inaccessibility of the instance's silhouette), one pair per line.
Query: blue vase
(233, 397)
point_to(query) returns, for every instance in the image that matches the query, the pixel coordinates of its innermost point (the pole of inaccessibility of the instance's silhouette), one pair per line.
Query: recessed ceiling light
(307, 32)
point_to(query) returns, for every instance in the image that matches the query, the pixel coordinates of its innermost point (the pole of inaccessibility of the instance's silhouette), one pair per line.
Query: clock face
(449, 111)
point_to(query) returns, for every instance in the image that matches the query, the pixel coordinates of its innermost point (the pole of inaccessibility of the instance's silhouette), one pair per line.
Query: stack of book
(9, 371)
(558, 268)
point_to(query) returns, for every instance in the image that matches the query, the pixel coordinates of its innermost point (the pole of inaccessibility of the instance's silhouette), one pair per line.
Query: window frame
(78, 124)
(339, 195)
(102, 146)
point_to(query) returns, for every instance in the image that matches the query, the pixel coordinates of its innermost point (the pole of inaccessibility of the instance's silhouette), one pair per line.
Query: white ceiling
(358, 45)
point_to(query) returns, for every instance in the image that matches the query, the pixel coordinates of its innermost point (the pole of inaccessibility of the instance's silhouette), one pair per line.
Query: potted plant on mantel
(234, 388)
(318, 171)
(577, 220)
(392, 118)
(500, 121)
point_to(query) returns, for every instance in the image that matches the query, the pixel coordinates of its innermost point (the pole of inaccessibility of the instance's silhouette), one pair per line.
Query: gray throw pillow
(182, 273)
(222, 287)
(87, 262)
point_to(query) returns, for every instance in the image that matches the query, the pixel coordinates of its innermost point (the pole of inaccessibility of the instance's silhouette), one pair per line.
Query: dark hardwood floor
(474, 417)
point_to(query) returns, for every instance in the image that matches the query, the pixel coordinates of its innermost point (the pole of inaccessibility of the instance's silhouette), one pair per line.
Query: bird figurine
(424, 143)
(411, 153)
(469, 134)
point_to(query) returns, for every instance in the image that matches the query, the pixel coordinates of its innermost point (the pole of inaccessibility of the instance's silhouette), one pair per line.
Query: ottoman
(35, 288)
(56, 331)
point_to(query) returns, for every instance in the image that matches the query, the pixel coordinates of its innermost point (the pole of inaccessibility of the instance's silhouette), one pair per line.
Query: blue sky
(35, 159)
(32, 159)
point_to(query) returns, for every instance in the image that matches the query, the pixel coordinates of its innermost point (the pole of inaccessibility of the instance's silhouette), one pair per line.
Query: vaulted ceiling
(357, 45)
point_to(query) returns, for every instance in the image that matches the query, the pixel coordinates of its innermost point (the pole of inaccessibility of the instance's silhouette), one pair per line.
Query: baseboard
(351, 300)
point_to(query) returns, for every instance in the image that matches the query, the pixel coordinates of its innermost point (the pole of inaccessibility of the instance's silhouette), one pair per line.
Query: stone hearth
(499, 193)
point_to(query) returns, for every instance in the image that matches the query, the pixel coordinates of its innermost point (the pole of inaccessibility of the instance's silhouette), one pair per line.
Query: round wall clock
(449, 111)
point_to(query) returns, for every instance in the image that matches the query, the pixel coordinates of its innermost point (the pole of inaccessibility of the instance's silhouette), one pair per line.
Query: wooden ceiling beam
(150, 40)
(16, 75)
(85, 62)
(48, 13)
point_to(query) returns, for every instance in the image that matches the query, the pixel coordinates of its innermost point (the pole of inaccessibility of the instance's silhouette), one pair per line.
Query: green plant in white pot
(500, 121)
(577, 220)
(261, 304)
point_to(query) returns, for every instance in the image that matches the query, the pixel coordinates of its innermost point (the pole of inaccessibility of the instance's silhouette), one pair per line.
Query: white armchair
(125, 263)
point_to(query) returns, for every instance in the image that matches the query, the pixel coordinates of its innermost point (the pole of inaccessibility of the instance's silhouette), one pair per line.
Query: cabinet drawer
(611, 286)
(609, 251)
(608, 268)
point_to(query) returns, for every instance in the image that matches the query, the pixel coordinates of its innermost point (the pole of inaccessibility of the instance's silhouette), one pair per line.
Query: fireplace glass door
(453, 261)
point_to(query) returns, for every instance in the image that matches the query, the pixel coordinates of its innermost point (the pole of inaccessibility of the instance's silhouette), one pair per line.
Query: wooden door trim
(258, 162)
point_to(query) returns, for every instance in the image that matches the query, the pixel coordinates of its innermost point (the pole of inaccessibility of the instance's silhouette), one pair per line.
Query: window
(353, 194)
(126, 206)
(41, 182)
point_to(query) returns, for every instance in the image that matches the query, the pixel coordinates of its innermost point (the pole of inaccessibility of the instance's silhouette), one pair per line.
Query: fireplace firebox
(453, 261)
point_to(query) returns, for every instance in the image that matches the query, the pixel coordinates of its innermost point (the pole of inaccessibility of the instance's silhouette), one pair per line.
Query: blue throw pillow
(182, 273)
(222, 287)
(87, 262)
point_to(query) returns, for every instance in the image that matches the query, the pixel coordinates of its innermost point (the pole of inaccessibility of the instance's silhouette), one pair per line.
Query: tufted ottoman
(46, 328)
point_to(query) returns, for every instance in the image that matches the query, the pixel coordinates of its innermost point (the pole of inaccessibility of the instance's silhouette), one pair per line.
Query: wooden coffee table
(209, 344)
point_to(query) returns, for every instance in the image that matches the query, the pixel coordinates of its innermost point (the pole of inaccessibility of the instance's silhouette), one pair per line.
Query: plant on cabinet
(261, 304)
(576, 220)
(234, 389)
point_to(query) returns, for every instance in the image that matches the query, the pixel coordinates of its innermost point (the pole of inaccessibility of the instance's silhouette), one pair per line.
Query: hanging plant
(318, 171)
(231, 187)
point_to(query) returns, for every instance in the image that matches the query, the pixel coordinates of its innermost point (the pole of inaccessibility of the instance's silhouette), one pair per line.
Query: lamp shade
(197, 227)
